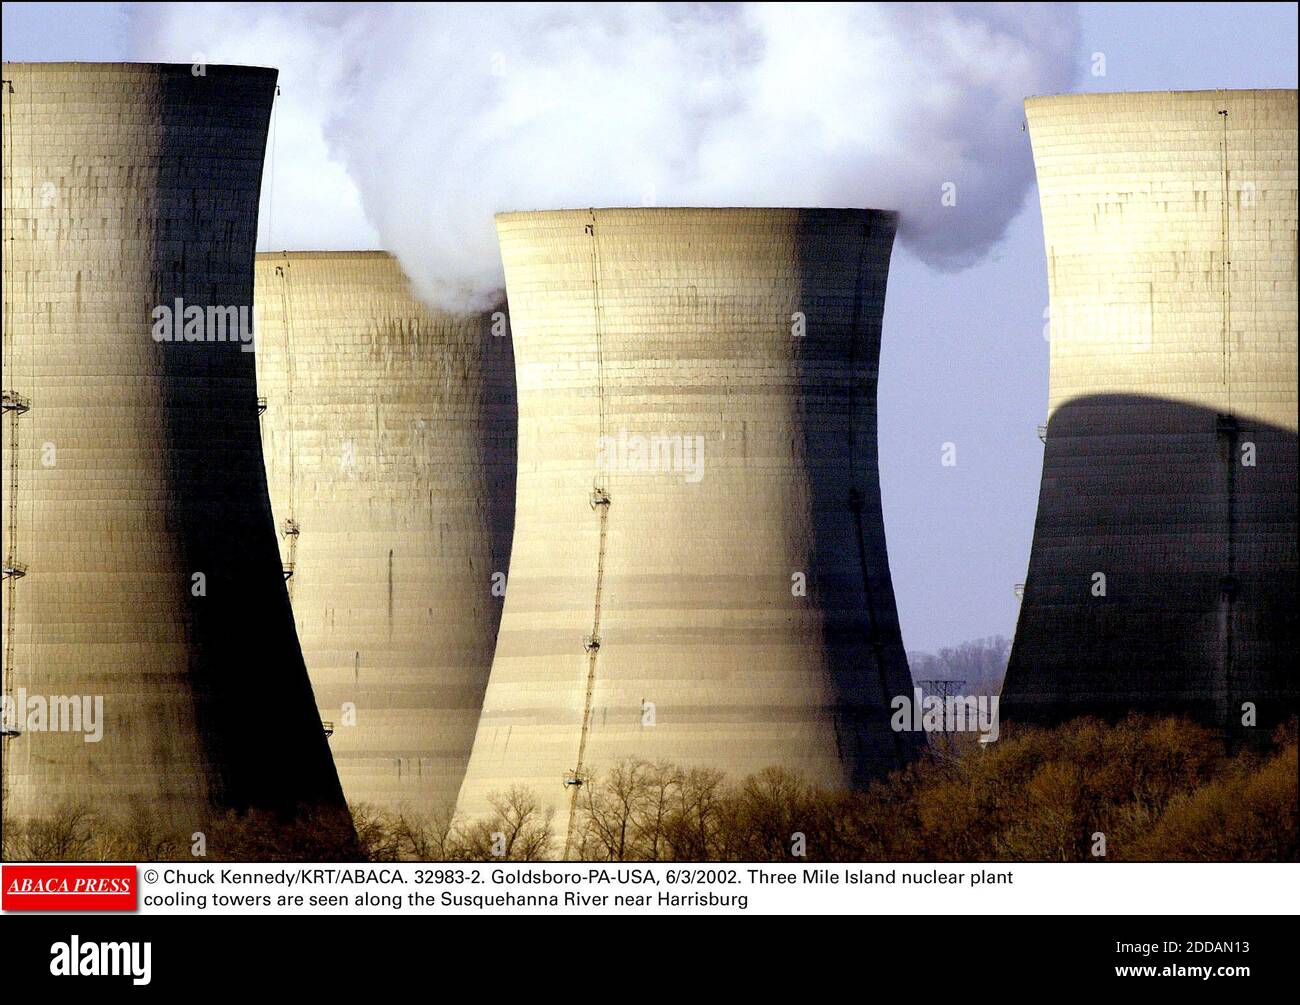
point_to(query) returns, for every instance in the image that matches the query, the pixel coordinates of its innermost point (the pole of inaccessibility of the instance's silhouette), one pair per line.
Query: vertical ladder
(600, 503)
(15, 405)
(290, 528)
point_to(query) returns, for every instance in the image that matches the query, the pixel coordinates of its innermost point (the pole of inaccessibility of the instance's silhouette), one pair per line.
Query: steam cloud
(408, 126)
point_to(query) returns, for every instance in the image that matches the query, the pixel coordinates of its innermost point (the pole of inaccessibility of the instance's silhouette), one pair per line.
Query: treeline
(979, 664)
(1145, 789)
(76, 834)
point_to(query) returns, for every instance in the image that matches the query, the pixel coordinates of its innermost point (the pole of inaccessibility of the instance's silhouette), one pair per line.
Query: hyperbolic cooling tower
(1170, 466)
(389, 436)
(699, 571)
(140, 557)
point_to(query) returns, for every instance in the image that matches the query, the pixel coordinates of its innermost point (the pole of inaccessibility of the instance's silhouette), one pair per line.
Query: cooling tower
(141, 568)
(699, 571)
(389, 437)
(1162, 577)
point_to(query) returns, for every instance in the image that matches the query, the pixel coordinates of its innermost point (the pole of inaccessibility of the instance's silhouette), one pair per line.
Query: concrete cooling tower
(389, 437)
(1163, 571)
(150, 662)
(699, 571)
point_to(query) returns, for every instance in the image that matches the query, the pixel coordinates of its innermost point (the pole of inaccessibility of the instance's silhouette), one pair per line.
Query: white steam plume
(408, 126)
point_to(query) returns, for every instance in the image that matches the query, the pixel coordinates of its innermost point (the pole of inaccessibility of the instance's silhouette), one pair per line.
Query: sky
(963, 357)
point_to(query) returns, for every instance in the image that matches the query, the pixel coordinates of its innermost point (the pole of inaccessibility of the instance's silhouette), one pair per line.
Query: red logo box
(68, 888)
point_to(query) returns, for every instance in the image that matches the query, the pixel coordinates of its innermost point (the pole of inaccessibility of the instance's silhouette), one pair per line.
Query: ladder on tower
(15, 406)
(600, 503)
(290, 530)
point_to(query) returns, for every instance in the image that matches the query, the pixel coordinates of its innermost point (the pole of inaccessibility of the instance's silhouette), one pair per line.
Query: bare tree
(519, 828)
(663, 784)
(375, 833)
(693, 830)
(435, 838)
(65, 836)
(608, 812)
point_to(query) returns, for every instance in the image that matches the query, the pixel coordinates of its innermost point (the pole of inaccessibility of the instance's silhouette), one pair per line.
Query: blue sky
(963, 359)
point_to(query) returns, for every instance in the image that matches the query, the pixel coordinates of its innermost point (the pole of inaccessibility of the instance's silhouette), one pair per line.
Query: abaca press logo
(68, 888)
